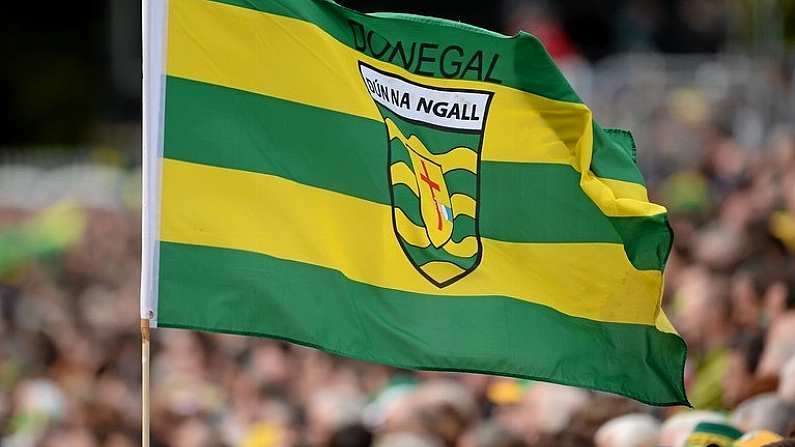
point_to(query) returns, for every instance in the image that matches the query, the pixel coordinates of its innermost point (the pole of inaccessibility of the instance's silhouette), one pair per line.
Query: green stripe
(399, 156)
(522, 62)
(651, 238)
(223, 127)
(239, 292)
(537, 209)
(614, 155)
(460, 181)
(463, 226)
(230, 128)
(624, 139)
(408, 202)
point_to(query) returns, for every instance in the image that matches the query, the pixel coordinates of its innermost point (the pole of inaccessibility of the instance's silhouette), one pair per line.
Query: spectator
(765, 412)
(631, 430)
(739, 380)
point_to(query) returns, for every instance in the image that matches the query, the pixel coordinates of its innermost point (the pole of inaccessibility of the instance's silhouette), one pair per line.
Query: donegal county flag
(399, 189)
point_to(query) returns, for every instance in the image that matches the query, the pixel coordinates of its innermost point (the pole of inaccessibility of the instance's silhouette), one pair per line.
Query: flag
(398, 189)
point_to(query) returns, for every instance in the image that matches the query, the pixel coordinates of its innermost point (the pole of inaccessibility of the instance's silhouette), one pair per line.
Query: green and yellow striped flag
(399, 189)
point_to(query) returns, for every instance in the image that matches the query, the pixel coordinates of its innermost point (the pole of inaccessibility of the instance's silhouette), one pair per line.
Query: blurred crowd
(70, 360)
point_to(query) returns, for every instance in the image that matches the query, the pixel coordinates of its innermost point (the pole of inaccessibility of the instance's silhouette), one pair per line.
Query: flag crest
(434, 138)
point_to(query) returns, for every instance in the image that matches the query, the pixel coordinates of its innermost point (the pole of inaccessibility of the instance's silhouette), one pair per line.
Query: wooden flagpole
(144, 382)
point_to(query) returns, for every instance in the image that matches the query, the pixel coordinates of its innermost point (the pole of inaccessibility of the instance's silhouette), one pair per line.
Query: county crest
(434, 139)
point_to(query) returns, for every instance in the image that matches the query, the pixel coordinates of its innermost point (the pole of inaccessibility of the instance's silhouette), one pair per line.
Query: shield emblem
(434, 139)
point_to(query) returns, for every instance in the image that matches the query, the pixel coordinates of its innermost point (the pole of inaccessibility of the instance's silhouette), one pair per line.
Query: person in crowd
(630, 430)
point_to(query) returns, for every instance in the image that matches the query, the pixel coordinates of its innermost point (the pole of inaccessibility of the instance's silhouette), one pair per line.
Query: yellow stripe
(626, 190)
(463, 204)
(464, 249)
(220, 207)
(412, 234)
(664, 324)
(402, 174)
(245, 49)
(441, 270)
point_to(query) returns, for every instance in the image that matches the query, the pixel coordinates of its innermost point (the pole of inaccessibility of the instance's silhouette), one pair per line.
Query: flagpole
(145, 382)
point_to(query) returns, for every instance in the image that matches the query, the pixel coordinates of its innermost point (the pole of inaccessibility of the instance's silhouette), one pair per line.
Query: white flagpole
(153, 24)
